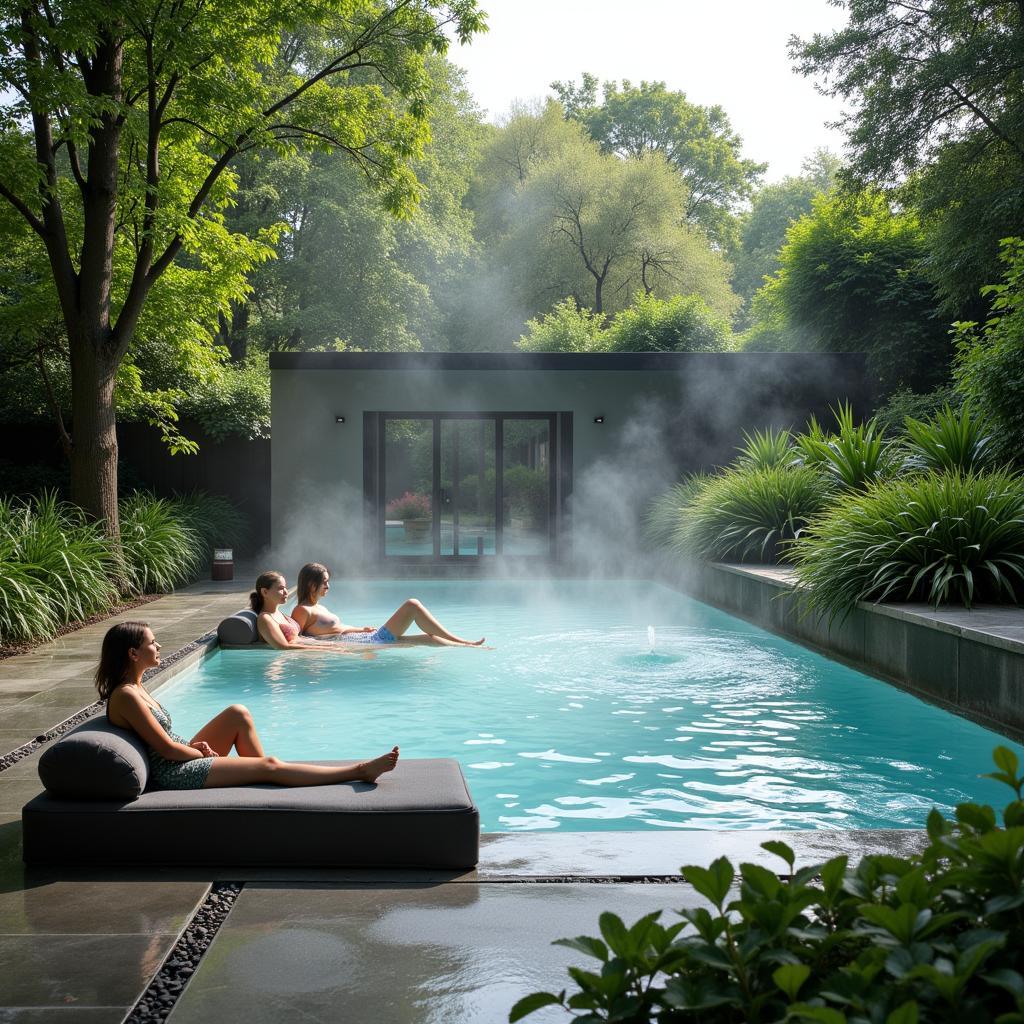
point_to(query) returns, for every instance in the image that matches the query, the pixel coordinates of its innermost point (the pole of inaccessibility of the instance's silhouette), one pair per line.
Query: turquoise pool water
(609, 706)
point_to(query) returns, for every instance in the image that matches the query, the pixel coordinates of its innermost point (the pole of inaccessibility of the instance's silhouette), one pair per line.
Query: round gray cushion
(96, 761)
(239, 628)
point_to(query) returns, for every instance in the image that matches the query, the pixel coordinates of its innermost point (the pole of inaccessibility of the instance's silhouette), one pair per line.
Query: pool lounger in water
(421, 815)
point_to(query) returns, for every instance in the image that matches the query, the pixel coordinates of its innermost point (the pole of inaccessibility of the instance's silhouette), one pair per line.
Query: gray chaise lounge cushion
(418, 816)
(239, 628)
(96, 761)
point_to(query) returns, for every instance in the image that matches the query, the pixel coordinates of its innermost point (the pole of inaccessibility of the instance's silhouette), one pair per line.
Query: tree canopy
(699, 142)
(120, 125)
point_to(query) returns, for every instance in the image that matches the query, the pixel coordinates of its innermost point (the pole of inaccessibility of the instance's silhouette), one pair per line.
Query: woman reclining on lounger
(129, 648)
(314, 620)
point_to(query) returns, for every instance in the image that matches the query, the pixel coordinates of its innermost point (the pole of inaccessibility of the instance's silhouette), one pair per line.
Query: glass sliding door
(450, 486)
(468, 507)
(408, 490)
(527, 486)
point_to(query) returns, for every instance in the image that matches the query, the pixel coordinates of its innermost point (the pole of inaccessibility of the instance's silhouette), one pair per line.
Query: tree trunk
(94, 432)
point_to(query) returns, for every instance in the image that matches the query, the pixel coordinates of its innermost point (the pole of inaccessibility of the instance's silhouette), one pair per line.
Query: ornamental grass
(932, 537)
(55, 567)
(666, 512)
(160, 551)
(751, 514)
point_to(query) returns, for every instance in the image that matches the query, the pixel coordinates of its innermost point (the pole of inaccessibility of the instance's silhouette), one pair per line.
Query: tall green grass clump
(55, 567)
(160, 551)
(948, 440)
(215, 521)
(854, 455)
(933, 537)
(665, 514)
(765, 449)
(751, 514)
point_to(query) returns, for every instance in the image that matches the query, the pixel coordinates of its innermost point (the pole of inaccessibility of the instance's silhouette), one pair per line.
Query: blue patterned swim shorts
(381, 635)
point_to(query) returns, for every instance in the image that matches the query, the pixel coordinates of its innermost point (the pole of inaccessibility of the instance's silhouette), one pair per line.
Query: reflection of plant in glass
(409, 506)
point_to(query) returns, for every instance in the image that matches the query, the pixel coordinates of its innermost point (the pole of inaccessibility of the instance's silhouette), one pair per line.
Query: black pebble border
(164, 990)
(69, 723)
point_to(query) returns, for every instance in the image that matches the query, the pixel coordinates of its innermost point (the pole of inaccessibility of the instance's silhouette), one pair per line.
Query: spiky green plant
(765, 449)
(215, 520)
(948, 440)
(938, 537)
(750, 514)
(664, 513)
(810, 446)
(855, 455)
(160, 551)
(55, 567)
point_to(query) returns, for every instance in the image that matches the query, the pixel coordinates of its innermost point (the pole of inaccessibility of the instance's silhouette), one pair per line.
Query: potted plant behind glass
(414, 512)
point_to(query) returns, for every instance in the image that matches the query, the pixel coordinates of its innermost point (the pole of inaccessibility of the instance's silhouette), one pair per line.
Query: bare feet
(370, 771)
(476, 643)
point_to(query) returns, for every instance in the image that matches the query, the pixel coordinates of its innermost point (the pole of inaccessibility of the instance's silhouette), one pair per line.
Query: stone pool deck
(81, 946)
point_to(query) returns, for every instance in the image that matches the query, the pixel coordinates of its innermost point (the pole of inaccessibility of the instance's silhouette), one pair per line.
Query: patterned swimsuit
(176, 774)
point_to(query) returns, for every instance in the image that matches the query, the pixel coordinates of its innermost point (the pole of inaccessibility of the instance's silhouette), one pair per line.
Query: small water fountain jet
(650, 638)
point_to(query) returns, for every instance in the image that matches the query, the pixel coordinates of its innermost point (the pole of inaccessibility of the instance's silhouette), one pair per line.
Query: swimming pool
(609, 706)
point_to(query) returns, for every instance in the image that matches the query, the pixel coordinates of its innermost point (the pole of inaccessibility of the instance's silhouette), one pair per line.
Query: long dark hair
(311, 579)
(112, 670)
(264, 580)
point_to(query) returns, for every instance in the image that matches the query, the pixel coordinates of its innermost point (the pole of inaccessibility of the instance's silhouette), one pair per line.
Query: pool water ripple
(571, 721)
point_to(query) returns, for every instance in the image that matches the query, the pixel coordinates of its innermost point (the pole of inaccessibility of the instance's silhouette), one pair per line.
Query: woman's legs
(413, 611)
(233, 727)
(242, 771)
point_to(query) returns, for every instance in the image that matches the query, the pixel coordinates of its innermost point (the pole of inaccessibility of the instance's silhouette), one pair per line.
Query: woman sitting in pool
(314, 620)
(129, 648)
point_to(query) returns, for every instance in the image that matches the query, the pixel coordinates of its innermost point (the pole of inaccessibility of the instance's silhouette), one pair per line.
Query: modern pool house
(434, 463)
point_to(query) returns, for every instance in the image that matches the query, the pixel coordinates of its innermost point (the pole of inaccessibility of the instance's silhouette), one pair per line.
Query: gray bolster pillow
(96, 761)
(239, 628)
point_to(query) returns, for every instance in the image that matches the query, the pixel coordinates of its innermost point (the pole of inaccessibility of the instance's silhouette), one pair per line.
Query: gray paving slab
(84, 970)
(61, 1015)
(403, 954)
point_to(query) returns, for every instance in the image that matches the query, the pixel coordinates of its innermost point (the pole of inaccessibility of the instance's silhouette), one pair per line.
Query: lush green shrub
(55, 567)
(765, 449)
(935, 537)
(926, 939)
(750, 514)
(903, 403)
(664, 516)
(527, 494)
(948, 440)
(232, 400)
(855, 455)
(567, 328)
(160, 551)
(216, 522)
(990, 362)
(684, 323)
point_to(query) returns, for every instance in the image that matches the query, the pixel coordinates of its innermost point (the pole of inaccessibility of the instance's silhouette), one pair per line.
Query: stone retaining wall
(978, 675)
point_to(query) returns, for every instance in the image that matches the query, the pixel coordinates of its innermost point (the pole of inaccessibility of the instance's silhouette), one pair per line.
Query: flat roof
(545, 360)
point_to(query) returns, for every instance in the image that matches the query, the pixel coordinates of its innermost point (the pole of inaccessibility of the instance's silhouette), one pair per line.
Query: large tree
(699, 142)
(121, 120)
(347, 272)
(850, 281)
(934, 98)
(599, 228)
(773, 209)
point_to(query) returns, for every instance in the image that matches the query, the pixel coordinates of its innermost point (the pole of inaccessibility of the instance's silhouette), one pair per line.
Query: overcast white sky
(732, 53)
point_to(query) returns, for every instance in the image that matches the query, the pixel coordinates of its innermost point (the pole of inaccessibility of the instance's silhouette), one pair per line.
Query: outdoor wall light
(599, 419)
(339, 419)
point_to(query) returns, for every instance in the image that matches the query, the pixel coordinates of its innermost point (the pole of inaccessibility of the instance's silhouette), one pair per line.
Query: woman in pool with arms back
(129, 649)
(315, 620)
